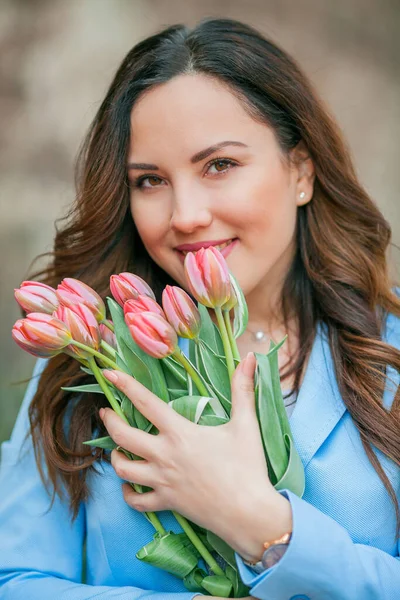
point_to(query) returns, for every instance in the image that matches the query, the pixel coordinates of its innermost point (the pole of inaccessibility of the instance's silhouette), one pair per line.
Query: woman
(213, 135)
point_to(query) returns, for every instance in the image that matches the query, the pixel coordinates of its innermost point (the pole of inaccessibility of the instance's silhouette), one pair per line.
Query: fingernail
(102, 413)
(249, 364)
(111, 375)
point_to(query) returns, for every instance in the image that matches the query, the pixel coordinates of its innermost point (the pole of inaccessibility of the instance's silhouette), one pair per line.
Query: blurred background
(57, 58)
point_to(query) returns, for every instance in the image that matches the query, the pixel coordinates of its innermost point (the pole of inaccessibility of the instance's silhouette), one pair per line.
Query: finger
(148, 404)
(243, 397)
(130, 438)
(147, 502)
(135, 471)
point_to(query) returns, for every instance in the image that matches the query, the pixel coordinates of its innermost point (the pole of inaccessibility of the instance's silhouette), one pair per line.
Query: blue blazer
(343, 544)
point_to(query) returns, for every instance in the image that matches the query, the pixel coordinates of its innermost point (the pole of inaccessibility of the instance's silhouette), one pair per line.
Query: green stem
(225, 340)
(106, 388)
(109, 324)
(198, 544)
(104, 359)
(150, 516)
(108, 348)
(231, 337)
(180, 357)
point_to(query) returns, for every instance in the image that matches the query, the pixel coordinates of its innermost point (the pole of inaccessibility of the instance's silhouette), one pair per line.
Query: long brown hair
(339, 275)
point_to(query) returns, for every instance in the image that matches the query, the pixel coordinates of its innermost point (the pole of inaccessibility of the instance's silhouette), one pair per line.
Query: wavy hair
(339, 275)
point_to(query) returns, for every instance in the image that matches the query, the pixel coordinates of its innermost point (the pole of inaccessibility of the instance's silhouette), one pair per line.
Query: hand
(214, 476)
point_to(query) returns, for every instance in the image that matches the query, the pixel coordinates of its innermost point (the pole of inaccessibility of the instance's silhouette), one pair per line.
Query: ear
(305, 172)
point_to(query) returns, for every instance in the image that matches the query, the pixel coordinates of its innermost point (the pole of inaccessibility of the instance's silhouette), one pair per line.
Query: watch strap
(273, 552)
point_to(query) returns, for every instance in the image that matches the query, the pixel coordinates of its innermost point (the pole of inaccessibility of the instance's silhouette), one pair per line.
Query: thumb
(243, 400)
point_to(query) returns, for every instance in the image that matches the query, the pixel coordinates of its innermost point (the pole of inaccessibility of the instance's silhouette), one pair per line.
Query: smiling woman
(213, 136)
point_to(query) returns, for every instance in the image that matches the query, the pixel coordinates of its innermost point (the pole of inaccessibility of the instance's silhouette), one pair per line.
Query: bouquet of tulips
(142, 339)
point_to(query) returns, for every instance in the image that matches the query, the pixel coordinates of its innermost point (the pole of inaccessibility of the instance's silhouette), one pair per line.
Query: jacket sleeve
(40, 550)
(322, 562)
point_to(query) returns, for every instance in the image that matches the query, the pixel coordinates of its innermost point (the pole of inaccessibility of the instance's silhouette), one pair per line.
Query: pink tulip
(152, 333)
(127, 286)
(71, 292)
(34, 296)
(208, 278)
(41, 334)
(232, 300)
(83, 326)
(108, 336)
(143, 304)
(181, 312)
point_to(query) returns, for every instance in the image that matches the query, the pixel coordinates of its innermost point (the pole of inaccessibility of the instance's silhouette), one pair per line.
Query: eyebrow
(195, 158)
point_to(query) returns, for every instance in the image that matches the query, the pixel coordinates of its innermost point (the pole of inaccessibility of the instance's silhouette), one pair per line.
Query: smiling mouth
(224, 248)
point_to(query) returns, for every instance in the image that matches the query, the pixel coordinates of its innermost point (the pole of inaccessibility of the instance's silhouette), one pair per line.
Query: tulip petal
(73, 291)
(34, 296)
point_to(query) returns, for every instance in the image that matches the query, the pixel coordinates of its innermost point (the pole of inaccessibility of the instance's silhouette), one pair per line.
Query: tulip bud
(181, 312)
(83, 326)
(108, 336)
(71, 292)
(143, 304)
(127, 286)
(34, 296)
(152, 333)
(208, 277)
(231, 303)
(41, 334)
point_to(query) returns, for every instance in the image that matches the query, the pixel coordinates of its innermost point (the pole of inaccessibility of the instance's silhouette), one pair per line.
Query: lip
(198, 245)
(225, 251)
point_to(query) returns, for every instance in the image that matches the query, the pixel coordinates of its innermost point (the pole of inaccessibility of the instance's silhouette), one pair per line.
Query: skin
(255, 199)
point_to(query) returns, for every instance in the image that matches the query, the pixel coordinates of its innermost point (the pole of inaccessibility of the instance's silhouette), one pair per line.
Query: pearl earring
(302, 195)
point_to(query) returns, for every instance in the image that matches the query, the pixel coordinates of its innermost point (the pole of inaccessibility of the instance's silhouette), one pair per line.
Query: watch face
(273, 554)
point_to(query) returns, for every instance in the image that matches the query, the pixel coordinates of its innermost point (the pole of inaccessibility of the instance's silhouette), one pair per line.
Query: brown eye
(147, 181)
(153, 180)
(221, 165)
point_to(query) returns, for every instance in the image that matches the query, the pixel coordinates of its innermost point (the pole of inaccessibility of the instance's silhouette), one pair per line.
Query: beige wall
(57, 59)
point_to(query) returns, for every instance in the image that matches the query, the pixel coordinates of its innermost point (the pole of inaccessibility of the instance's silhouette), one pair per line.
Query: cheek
(150, 223)
(265, 206)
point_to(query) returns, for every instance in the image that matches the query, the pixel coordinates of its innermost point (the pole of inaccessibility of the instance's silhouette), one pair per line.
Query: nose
(190, 212)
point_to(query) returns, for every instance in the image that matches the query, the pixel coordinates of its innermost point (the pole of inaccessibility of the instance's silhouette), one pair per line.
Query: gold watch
(273, 552)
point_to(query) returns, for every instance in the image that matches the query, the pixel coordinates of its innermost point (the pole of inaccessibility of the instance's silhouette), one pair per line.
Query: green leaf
(86, 370)
(293, 478)
(215, 371)
(176, 393)
(174, 373)
(240, 311)
(192, 582)
(212, 420)
(223, 549)
(104, 442)
(217, 585)
(136, 366)
(190, 407)
(171, 553)
(128, 410)
(240, 590)
(90, 387)
(276, 387)
(209, 332)
(159, 385)
(270, 426)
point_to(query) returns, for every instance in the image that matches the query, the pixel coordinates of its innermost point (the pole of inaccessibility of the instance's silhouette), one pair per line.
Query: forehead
(189, 112)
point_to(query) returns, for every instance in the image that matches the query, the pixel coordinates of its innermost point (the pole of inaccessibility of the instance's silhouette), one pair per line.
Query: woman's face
(191, 193)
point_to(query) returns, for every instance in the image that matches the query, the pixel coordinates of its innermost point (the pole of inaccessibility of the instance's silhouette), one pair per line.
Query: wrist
(263, 521)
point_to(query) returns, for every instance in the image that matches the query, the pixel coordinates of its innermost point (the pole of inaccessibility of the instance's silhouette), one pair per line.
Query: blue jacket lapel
(319, 404)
